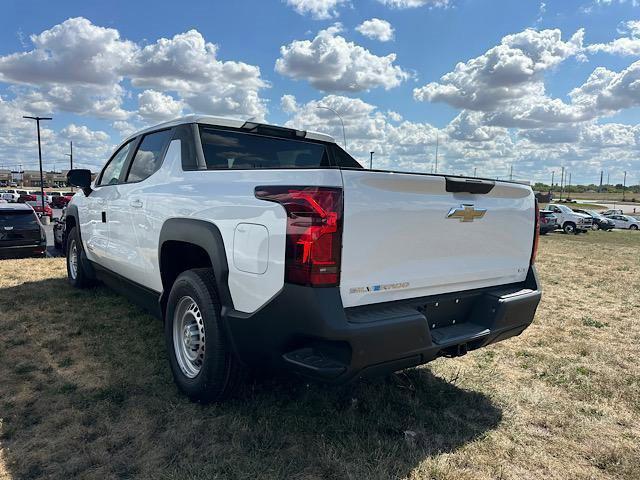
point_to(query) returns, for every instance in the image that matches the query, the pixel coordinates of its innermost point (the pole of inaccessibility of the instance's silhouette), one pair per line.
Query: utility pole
(608, 178)
(371, 160)
(569, 184)
(511, 172)
(552, 174)
(70, 155)
(562, 184)
(624, 185)
(37, 119)
(601, 174)
(475, 169)
(437, 145)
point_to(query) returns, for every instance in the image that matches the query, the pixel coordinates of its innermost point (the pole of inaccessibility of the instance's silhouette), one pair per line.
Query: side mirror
(81, 178)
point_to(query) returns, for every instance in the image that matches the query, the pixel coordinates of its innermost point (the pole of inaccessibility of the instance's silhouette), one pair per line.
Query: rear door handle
(136, 203)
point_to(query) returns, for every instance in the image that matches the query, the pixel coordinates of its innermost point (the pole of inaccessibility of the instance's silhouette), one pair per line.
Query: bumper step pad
(463, 332)
(312, 360)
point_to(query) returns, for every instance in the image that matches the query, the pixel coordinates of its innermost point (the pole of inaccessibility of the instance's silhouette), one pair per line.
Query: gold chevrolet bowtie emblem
(466, 213)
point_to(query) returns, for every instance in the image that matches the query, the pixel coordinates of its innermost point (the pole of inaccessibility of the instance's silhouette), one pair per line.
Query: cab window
(149, 155)
(111, 173)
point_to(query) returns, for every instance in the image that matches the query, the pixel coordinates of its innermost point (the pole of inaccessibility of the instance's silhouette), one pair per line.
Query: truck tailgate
(406, 236)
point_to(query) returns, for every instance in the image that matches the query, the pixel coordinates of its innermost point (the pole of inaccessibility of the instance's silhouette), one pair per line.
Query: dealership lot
(87, 391)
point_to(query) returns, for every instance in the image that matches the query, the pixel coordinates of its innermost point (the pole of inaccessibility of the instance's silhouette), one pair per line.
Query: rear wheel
(633, 227)
(76, 272)
(202, 363)
(595, 227)
(569, 228)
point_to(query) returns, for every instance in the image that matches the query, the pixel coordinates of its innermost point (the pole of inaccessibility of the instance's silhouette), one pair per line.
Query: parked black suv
(21, 233)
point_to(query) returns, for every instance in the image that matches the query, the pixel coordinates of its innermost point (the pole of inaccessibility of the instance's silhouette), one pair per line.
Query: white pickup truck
(265, 246)
(570, 221)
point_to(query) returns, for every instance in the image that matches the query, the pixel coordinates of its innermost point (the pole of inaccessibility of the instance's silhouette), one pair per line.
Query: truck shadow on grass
(86, 392)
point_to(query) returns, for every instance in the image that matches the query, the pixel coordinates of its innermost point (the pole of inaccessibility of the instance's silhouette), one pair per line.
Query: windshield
(18, 219)
(595, 214)
(563, 208)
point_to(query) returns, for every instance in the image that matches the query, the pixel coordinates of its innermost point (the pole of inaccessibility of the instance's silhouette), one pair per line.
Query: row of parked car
(561, 217)
(33, 198)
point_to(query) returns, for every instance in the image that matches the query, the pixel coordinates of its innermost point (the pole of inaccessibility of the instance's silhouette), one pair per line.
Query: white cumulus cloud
(401, 4)
(318, 9)
(155, 106)
(377, 29)
(625, 46)
(332, 64)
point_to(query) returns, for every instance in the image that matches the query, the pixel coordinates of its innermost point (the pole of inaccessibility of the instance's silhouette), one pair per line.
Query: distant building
(31, 178)
(5, 177)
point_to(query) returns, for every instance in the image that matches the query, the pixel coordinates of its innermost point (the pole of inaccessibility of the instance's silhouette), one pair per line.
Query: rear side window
(343, 159)
(111, 173)
(18, 219)
(228, 150)
(149, 155)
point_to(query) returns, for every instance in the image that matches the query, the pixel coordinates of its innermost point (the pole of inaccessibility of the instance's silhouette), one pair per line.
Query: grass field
(584, 206)
(605, 197)
(86, 392)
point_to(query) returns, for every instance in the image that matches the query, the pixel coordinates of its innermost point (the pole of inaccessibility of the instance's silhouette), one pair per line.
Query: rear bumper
(22, 250)
(309, 331)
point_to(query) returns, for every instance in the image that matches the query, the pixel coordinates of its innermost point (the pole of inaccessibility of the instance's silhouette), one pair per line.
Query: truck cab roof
(232, 123)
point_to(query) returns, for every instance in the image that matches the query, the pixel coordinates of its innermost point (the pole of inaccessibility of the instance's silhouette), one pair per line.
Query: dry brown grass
(86, 392)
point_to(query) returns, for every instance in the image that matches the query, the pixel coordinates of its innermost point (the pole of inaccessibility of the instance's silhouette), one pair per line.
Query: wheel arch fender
(72, 218)
(207, 236)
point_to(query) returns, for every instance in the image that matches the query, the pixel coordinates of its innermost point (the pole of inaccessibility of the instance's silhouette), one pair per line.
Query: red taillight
(314, 232)
(536, 234)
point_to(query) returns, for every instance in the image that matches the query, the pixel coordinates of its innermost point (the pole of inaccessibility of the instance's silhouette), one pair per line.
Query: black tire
(218, 371)
(569, 228)
(80, 279)
(633, 227)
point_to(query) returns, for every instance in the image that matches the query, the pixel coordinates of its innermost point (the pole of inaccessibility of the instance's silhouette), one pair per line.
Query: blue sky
(378, 97)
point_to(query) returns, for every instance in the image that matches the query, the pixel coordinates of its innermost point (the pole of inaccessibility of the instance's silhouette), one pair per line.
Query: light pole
(624, 186)
(37, 119)
(70, 155)
(371, 161)
(437, 145)
(344, 135)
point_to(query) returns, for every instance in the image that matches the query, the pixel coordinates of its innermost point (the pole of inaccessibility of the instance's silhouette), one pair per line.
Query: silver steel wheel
(595, 227)
(188, 337)
(73, 260)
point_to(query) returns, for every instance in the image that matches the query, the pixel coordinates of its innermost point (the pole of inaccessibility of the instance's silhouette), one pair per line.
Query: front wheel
(569, 228)
(633, 227)
(595, 227)
(202, 363)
